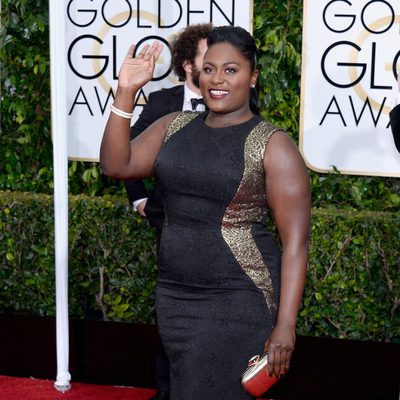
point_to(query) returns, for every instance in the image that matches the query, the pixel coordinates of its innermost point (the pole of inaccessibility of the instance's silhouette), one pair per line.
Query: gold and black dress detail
(219, 267)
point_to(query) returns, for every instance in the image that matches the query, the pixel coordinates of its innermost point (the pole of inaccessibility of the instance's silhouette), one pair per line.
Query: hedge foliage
(353, 287)
(25, 140)
(111, 258)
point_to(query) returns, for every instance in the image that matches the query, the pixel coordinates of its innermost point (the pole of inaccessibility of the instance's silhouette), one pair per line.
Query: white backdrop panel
(351, 51)
(98, 36)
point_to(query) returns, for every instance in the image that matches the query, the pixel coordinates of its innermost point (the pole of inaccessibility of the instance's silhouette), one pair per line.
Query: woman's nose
(217, 77)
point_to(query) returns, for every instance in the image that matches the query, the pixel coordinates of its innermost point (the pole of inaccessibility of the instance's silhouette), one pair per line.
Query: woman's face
(226, 79)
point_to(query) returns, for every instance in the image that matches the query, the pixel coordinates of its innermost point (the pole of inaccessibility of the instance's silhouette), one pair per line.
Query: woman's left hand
(280, 346)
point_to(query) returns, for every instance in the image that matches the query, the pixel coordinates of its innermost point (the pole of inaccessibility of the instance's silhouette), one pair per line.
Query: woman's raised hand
(136, 72)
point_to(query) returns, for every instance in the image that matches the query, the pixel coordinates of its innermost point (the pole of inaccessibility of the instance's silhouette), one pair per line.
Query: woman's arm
(118, 157)
(288, 194)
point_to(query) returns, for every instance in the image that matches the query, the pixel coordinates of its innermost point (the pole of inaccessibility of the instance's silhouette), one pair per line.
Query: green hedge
(353, 287)
(109, 247)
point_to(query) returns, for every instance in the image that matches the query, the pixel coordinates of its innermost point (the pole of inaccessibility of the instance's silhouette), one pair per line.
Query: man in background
(395, 118)
(188, 49)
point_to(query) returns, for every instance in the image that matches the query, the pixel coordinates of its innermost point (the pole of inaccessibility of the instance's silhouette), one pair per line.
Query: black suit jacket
(395, 124)
(160, 103)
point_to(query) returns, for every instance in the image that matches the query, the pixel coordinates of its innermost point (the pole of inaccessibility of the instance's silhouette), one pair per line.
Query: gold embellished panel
(248, 206)
(179, 122)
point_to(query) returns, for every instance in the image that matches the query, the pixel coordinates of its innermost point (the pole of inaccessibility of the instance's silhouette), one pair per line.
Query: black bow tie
(196, 102)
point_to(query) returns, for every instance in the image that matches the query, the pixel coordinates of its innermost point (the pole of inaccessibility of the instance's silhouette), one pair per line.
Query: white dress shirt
(187, 105)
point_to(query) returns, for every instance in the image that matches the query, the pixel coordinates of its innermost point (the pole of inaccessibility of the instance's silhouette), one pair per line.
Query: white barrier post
(60, 166)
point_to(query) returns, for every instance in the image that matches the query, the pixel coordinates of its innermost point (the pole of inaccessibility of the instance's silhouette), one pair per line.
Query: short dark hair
(184, 46)
(242, 41)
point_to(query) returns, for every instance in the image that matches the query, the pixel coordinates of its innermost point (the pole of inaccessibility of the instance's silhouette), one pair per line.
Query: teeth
(218, 92)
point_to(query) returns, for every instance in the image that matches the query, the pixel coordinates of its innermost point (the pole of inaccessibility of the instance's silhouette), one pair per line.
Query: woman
(224, 291)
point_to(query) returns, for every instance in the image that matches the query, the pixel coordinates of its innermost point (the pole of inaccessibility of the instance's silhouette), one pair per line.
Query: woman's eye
(230, 70)
(207, 70)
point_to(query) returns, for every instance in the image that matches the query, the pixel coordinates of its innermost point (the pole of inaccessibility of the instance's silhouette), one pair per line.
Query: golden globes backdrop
(350, 62)
(98, 35)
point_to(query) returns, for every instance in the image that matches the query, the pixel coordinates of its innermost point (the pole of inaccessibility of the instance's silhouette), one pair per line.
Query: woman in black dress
(225, 291)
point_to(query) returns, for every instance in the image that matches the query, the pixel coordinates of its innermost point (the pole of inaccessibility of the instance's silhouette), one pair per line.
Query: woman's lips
(218, 93)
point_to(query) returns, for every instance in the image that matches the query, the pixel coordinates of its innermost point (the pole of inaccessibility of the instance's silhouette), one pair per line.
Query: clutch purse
(255, 378)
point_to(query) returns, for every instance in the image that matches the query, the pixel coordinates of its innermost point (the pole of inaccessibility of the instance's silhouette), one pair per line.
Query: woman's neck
(221, 120)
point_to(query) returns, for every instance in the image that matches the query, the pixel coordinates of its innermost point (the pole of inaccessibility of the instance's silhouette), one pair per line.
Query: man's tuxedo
(160, 103)
(395, 124)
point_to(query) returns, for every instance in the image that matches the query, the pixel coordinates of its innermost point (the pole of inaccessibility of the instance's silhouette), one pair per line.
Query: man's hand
(140, 208)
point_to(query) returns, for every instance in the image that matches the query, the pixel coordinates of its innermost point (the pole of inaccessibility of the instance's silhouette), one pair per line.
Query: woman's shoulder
(264, 130)
(177, 120)
(278, 145)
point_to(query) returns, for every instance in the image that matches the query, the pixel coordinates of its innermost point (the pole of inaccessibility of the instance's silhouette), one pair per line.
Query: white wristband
(121, 113)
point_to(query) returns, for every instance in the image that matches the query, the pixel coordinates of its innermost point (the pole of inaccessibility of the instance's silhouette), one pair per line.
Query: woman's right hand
(136, 72)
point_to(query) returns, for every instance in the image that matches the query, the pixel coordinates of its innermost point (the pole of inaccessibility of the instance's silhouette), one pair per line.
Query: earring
(253, 86)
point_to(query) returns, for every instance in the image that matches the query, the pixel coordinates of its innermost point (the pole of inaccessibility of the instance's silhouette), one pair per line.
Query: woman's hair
(242, 41)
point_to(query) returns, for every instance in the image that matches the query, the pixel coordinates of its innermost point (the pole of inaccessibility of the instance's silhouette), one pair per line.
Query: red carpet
(37, 389)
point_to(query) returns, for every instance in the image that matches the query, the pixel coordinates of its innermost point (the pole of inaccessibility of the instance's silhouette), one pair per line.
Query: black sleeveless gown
(218, 284)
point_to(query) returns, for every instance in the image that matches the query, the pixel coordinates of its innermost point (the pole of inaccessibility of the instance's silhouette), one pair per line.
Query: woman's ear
(254, 77)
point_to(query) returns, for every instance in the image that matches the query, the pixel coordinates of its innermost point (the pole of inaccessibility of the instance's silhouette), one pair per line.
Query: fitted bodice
(213, 184)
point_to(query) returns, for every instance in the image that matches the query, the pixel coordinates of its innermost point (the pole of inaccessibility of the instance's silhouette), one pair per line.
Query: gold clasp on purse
(253, 360)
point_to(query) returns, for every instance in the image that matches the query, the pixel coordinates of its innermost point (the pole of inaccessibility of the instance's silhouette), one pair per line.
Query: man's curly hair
(184, 46)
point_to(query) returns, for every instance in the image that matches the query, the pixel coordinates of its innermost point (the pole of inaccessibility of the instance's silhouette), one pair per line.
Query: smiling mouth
(217, 94)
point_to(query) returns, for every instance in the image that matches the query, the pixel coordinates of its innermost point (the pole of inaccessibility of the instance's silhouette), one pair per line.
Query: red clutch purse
(255, 379)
